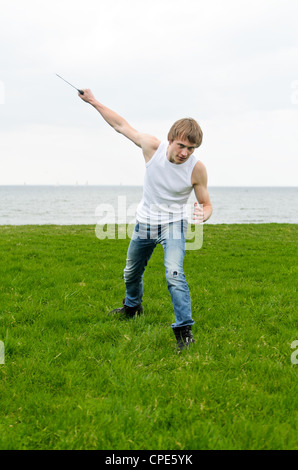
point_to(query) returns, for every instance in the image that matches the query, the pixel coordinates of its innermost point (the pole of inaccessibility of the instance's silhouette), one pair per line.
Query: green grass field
(76, 378)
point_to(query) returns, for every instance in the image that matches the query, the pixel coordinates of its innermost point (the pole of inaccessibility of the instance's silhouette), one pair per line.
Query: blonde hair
(186, 128)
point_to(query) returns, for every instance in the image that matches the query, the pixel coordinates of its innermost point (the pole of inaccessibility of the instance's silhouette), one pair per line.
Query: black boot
(183, 337)
(180, 344)
(187, 335)
(128, 311)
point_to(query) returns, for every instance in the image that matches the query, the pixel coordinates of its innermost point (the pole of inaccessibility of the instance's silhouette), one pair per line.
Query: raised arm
(147, 143)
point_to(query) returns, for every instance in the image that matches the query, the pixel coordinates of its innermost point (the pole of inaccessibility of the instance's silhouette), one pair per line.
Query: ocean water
(76, 205)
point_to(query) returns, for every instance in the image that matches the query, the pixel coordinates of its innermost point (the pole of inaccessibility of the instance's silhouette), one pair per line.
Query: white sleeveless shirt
(167, 187)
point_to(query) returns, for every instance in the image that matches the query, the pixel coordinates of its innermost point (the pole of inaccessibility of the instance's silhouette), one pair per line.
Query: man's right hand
(87, 96)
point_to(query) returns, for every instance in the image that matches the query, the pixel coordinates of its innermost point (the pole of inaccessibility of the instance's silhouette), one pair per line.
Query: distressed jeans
(172, 238)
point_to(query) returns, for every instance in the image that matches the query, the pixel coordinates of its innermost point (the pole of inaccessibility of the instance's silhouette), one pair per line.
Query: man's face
(180, 150)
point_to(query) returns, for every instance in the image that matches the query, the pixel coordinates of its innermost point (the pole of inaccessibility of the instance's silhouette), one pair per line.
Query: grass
(76, 378)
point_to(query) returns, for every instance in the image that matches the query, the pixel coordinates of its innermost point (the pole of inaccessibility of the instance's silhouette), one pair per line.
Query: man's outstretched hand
(87, 96)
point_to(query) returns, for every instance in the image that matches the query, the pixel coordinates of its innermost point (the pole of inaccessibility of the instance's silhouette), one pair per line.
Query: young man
(172, 171)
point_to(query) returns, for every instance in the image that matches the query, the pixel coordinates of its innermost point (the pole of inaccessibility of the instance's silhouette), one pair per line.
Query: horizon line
(134, 185)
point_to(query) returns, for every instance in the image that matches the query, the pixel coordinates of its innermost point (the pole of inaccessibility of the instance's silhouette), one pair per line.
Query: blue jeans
(172, 237)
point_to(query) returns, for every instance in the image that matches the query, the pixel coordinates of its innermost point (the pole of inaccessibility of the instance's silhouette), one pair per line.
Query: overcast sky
(230, 64)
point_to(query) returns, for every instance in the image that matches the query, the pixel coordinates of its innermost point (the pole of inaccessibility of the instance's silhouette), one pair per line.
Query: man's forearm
(207, 211)
(112, 118)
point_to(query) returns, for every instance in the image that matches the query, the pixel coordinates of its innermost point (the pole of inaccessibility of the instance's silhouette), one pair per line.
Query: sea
(80, 205)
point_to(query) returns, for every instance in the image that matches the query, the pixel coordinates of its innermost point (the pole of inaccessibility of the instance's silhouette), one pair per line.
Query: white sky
(230, 64)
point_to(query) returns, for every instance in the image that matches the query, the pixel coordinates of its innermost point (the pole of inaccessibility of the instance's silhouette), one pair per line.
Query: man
(172, 171)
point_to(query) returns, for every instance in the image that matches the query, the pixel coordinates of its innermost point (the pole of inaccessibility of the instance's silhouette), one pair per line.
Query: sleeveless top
(167, 187)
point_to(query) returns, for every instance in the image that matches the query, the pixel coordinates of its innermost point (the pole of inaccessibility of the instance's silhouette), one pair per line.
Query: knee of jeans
(174, 273)
(128, 273)
(131, 274)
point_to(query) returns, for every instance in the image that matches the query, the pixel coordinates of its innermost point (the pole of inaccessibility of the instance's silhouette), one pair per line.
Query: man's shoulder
(150, 141)
(149, 145)
(199, 173)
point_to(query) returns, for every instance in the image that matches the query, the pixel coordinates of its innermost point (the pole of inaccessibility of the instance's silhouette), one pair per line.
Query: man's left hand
(198, 214)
